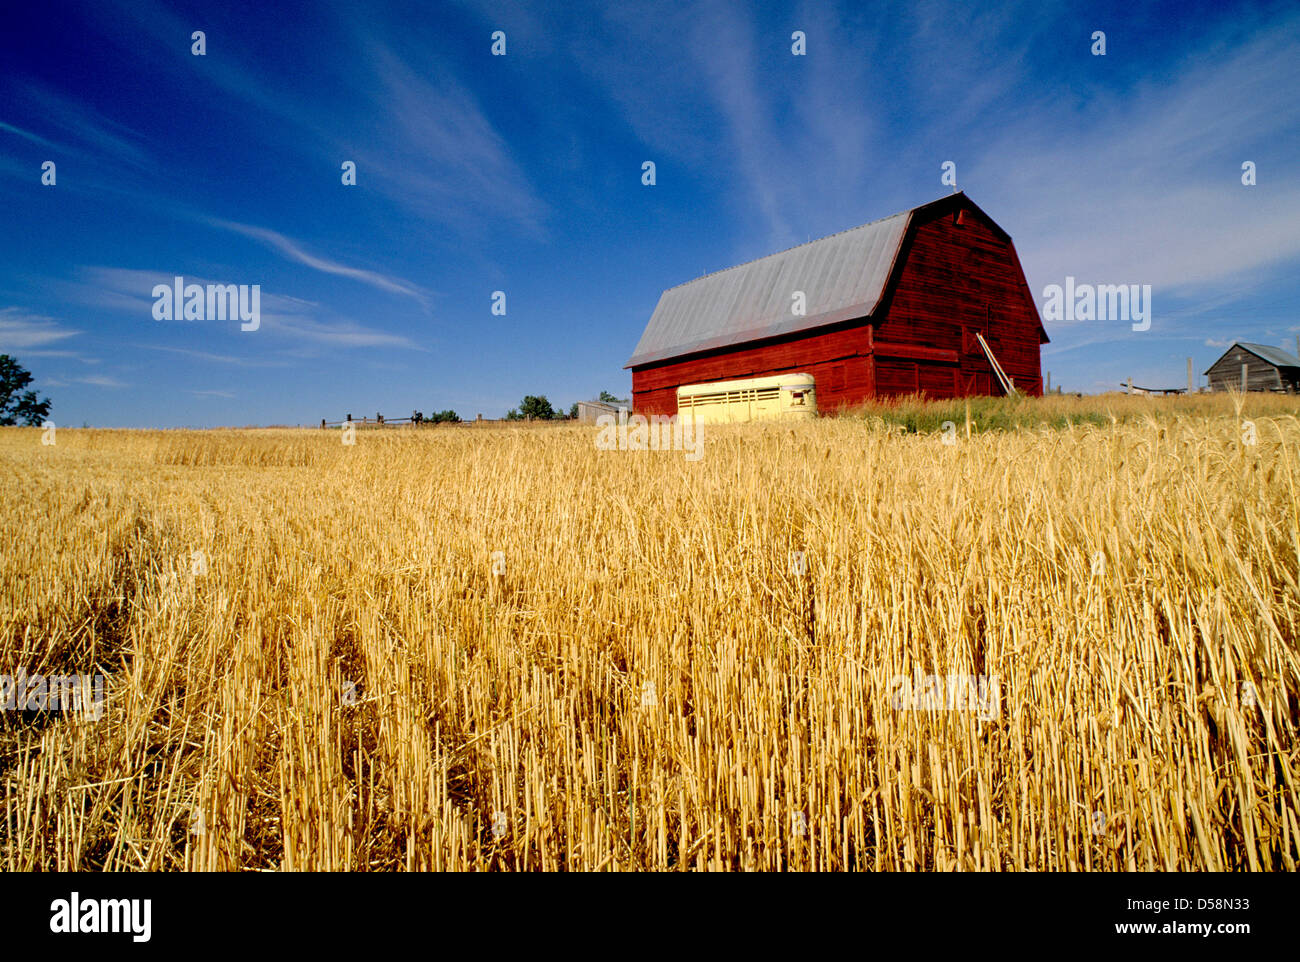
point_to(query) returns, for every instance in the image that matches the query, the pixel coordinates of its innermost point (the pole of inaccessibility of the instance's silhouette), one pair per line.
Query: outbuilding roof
(1274, 355)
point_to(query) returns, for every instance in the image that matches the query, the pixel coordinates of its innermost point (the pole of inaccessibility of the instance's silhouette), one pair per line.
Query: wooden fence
(380, 421)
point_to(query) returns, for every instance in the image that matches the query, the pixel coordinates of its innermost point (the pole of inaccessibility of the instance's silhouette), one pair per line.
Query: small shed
(589, 411)
(1255, 367)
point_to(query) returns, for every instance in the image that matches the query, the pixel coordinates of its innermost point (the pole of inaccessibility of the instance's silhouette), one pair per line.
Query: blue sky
(522, 174)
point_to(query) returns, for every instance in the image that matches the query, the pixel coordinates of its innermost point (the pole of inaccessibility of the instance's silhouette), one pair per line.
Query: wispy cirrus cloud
(101, 380)
(304, 320)
(437, 152)
(21, 329)
(342, 333)
(214, 357)
(124, 289)
(1148, 189)
(428, 147)
(27, 135)
(81, 130)
(788, 140)
(129, 290)
(724, 49)
(294, 251)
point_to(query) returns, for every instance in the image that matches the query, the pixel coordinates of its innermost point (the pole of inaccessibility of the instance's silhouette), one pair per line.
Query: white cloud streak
(294, 251)
(21, 329)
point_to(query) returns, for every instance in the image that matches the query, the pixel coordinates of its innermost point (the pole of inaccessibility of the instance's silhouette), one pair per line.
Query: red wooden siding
(957, 274)
(958, 279)
(839, 357)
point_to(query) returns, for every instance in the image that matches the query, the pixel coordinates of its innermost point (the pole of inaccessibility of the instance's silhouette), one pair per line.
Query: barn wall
(1260, 374)
(838, 360)
(960, 276)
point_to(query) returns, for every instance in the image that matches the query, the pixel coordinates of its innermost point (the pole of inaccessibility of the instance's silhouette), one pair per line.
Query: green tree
(18, 406)
(444, 417)
(535, 407)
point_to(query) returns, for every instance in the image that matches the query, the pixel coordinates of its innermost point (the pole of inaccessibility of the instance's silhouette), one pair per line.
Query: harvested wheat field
(316, 659)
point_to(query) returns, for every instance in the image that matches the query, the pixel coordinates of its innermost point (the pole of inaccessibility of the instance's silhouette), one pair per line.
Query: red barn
(889, 308)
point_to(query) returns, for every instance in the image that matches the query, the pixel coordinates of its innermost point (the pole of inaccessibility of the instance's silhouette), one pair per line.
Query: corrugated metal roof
(1274, 355)
(842, 277)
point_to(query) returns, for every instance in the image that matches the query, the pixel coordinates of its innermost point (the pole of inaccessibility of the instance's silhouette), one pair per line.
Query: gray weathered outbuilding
(1255, 367)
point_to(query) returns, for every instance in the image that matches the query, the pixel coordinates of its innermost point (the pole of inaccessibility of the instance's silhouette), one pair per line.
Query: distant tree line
(538, 408)
(535, 407)
(437, 417)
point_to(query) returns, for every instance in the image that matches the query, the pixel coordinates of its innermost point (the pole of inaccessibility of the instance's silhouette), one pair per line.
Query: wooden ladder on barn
(1007, 384)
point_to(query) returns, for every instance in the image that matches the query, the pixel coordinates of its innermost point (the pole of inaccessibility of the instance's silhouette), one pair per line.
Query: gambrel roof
(843, 277)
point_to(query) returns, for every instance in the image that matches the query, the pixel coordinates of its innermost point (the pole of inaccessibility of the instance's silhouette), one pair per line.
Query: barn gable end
(893, 308)
(959, 277)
